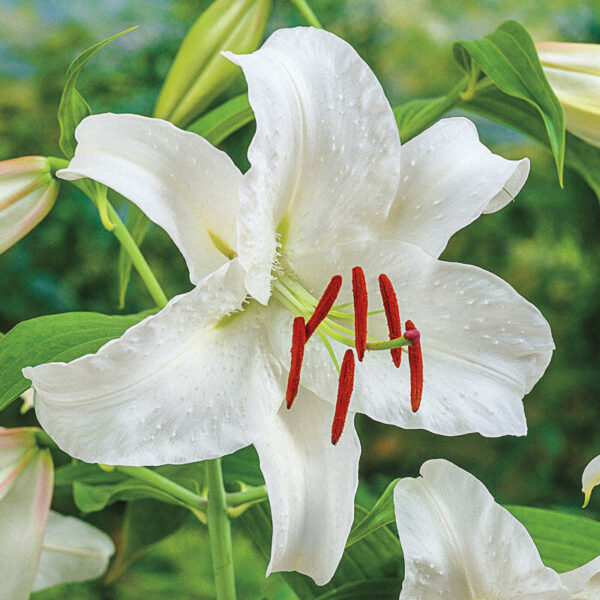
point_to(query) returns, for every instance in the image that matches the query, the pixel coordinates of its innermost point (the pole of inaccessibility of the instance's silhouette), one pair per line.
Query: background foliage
(546, 243)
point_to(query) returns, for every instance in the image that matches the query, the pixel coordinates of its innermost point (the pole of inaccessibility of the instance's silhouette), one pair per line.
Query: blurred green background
(546, 244)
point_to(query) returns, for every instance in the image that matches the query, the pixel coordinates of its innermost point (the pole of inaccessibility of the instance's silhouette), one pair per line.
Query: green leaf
(579, 156)
(146, 523)
(73, 108)
(564, 541)
(380, 515)
(94, 497)
(137, 224)
(509, 58)
(221, 122)
(415, 116)
(365, 564)
(54, 338)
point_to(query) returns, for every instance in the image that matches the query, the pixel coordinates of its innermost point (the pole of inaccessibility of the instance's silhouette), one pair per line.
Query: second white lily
(328, 190)
(459, 543)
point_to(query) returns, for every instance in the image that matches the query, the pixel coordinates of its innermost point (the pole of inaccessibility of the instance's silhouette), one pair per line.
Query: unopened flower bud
(27, 193)
(573, 71)
(199, 73)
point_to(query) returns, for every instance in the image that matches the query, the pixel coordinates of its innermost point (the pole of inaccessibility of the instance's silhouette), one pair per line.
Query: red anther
(324, 306)
(298, 341)
(415, 360)
(361, 307)
(392, 314)
(345, 387)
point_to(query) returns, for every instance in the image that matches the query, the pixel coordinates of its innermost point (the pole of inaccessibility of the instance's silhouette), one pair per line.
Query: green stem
(137, 258)
(166, 485)
(122, 234)
(219, 532)
(306, 11)
(252, 494)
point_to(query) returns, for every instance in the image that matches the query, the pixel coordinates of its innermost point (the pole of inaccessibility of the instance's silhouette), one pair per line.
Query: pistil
(415, 361)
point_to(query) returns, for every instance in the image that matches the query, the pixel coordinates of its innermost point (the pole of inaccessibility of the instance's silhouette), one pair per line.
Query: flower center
(329, 322)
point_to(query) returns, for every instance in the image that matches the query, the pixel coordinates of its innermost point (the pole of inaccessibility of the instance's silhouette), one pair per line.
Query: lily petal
(449, 178)
(484, 346)
(590, 478)
(311, 486)
(177, 178)
(23, 513)
(72, 550)
(187, 384)
(20, 217)
(326, 154)
(459, 543)
(584, 581)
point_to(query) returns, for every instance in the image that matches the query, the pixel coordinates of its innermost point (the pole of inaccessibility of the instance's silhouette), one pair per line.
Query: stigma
(324, 318)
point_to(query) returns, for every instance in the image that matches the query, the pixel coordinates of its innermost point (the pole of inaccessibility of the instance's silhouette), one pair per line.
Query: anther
(324, 306)
(415, 360)
(392, 314)
(345, 387)
(298, 341)
(361, 308)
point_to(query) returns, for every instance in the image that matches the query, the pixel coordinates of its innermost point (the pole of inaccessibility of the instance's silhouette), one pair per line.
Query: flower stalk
(219, 532)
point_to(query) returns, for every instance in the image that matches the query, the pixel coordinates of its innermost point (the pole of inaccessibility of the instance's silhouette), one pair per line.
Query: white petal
(177, 178)
(448, 179)
(311, 486)
(584, 581)
(23, 514)
(72, 550)
(590, 478)
(326, 154)
(180, 386)
(484, 346)
(458, 543)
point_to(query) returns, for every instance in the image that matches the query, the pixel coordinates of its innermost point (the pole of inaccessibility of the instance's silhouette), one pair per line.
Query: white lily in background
(27, 193)
(573, 71)
(459, 543)
(590, 478)
(328, 191)
(40, 548)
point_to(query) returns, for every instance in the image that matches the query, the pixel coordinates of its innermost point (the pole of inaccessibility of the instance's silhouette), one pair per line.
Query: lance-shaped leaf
(509, 58)
(495, 105)
(54, 338)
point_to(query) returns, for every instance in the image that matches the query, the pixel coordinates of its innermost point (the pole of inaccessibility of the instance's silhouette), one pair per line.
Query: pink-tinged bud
(26, 480)
(573, 71)
(27, 193)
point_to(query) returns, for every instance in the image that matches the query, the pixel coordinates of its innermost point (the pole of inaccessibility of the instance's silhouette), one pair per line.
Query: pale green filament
(301, 303)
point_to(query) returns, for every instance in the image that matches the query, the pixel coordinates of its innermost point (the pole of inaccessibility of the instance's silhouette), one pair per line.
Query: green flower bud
(27, 193)
(199, 73)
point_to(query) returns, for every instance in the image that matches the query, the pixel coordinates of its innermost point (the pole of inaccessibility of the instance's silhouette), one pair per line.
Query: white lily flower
(590, 478)
(40, 548)
(459, 543)
(328, 190)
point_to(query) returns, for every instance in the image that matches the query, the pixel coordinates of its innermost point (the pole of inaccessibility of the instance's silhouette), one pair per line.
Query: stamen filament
(345, 387)
(330, 350)
(324, 306)
(415, 360)
(361, 305)
(392, 314)
(297, 352)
